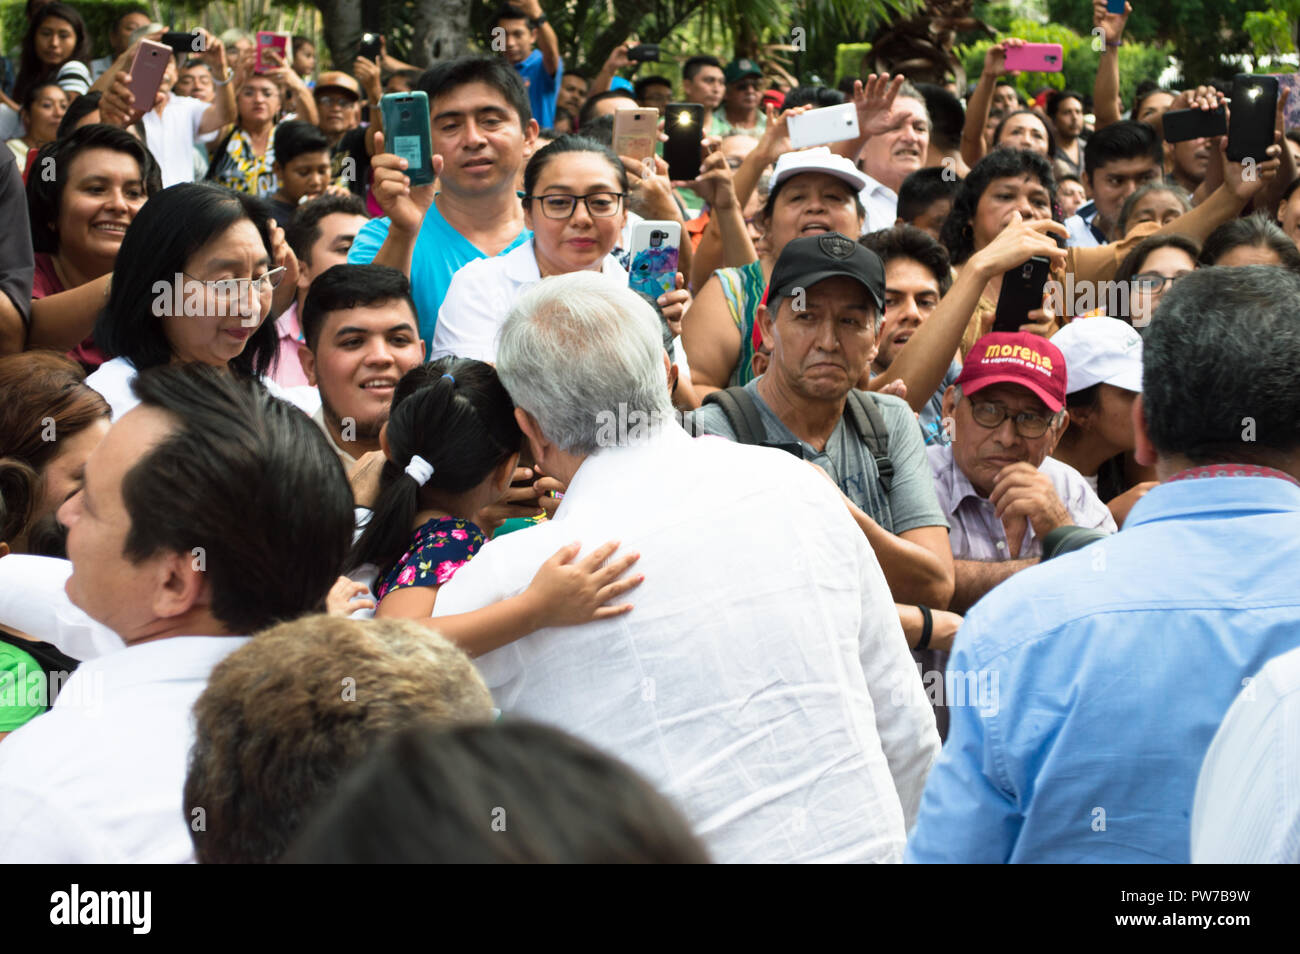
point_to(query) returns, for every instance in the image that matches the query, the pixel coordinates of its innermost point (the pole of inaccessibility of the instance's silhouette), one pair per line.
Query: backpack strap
(742, 414)
(863, 412)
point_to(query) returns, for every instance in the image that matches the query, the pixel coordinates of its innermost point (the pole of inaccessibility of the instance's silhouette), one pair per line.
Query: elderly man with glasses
(1000, 491)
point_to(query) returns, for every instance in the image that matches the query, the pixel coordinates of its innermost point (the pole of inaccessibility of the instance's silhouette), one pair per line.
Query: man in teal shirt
(482, 128)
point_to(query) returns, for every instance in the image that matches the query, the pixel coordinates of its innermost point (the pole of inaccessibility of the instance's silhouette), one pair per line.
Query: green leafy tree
(1200, 33)
(1137, 61)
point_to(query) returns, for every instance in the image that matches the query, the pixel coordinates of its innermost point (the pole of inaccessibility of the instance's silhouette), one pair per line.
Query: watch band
(538, 21)
(927, 627)
(230, 74)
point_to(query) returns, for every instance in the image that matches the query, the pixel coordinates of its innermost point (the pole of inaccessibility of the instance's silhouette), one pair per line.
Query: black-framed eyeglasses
(600, 205)
(1027, 424)
(1154, 281)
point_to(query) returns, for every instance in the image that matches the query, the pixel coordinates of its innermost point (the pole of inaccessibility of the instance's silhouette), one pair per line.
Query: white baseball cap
(819, 159)
(1101, 350)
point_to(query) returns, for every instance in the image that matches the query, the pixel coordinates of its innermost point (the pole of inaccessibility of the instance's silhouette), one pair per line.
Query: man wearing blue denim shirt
(1114, 665)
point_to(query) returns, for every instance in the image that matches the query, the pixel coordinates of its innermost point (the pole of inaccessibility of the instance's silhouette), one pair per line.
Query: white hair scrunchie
(420, 469)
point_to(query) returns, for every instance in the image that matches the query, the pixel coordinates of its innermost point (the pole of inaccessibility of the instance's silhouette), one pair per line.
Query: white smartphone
(652, 267)
(817, 127)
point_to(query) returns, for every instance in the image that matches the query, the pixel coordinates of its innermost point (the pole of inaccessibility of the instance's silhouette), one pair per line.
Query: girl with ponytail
(452, 445)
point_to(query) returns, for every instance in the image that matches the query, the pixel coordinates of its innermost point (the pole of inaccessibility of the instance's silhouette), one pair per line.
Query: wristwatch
(230, 74)
(538, 21)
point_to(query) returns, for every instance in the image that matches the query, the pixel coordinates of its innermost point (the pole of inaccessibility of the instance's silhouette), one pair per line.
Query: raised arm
(711, 339)
(925, 358)
(404, 204)
(977, 110)
(1107, 107)
(616, 61)
(547, 42)
(222, 110)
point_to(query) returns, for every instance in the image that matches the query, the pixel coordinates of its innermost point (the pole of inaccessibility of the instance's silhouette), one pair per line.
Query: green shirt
(723, 128)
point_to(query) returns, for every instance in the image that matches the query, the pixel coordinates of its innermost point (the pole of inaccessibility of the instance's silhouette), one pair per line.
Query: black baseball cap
(810, 259)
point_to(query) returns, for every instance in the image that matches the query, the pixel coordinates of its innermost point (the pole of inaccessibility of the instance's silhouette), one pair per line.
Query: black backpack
(860, 408)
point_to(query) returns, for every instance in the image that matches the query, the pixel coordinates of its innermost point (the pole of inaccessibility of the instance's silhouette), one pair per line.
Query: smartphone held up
(406, 133)
(684, 125)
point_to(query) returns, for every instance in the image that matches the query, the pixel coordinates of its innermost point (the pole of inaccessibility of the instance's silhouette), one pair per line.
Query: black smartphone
(182, 43)
(1183, 124)
(644, 53)
(1253, 114)
(1022, 292)
(684, 124)
(370, 46)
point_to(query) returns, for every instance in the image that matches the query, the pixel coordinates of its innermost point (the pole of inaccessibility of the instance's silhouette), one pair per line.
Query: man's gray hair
(909, 91)
(574, 349)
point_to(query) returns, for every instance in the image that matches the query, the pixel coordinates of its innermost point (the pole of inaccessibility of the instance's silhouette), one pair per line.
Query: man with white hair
(764, 686)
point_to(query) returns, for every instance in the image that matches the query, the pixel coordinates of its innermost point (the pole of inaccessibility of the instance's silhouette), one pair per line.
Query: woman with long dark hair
(197, 277)
(55, 49)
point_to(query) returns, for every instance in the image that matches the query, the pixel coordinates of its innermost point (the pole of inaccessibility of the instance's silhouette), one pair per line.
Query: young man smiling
(360, 338)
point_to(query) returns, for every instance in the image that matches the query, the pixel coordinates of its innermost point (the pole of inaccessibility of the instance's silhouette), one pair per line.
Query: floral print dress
(438, 549)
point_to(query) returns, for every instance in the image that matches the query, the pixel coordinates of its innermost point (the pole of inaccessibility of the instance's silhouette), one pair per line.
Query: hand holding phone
(1252, 117)
(1035, 58)
(653, 262)
(1181, 125)
(1022, 292)
(406, 133)
(817, 127)
(280, 43)
(644, 53)
(147, 71)
(371, 46)
(636, 130)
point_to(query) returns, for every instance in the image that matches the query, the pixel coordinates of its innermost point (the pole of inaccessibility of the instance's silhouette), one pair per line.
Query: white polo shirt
(480, 296)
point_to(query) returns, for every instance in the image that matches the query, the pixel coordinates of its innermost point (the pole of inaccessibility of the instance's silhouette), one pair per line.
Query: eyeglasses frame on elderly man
(1018, 420)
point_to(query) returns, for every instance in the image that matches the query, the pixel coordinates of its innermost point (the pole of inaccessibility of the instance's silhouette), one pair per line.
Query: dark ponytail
(454, 413)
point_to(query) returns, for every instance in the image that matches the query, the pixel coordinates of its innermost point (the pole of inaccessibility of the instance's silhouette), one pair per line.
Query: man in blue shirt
(481, 129)
(522, 33)
(1095, 682)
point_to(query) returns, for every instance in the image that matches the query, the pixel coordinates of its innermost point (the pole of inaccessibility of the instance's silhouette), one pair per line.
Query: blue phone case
(653, 271)
(1114, 6)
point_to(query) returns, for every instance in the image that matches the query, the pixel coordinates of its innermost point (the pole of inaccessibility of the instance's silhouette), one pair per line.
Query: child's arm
(563, 593)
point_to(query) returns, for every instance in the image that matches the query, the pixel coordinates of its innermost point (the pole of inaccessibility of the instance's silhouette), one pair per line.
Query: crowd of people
(350, 519)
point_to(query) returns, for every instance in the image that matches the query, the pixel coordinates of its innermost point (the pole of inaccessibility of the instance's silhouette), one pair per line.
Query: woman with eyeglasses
(1150, 270)
(575, 193)
(200, 271)
(244, 159)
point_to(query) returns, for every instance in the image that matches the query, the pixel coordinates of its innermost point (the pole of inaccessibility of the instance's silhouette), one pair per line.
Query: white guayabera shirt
(99, 778)
(762, 681)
